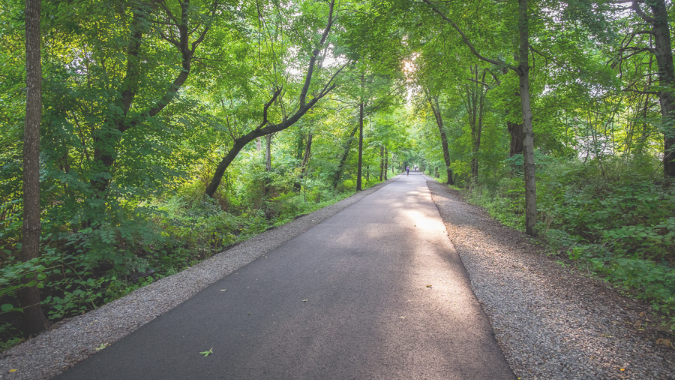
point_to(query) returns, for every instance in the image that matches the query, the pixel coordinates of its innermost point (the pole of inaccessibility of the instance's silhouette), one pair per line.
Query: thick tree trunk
(34, 319)
(528, 142)
(359, 187)
(238, 145)
(664, 58)
(517, 137)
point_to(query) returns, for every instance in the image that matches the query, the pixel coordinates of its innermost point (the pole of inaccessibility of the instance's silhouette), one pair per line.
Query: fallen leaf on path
(664, 342)
(428, 286)
(401, 317)
(304, 300)
(12, 370)
(207, 353)
(222, 290)
(102, 346)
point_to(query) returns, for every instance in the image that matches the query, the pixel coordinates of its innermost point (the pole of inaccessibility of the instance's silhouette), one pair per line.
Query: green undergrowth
(613, 218)
(82, 269)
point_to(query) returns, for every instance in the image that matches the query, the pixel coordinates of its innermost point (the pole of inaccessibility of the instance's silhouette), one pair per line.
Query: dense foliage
(174, 128)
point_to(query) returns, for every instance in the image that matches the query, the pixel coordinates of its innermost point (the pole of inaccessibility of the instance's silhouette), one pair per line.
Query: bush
(614, 217)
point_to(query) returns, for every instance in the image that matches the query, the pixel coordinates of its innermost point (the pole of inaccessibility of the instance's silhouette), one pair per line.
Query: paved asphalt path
(375, 292)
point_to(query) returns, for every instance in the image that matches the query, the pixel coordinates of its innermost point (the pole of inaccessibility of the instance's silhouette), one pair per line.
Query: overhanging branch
(466, 40)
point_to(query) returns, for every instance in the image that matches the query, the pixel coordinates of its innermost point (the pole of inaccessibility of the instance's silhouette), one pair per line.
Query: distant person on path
(415, 167)
(407, 170)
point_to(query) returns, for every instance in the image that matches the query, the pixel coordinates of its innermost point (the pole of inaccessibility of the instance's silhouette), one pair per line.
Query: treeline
(170, 129)
(578, 92)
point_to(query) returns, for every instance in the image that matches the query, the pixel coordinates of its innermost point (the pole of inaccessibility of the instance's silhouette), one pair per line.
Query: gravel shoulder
(75, 339)
(550, 321)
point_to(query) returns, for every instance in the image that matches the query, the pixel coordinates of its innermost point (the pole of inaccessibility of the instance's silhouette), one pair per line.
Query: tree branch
(641, 13)
(315, 52)
(466, 40)
(267, 106)
(640, 92)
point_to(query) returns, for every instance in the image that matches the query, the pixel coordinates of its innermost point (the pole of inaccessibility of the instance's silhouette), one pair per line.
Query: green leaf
(6, 308)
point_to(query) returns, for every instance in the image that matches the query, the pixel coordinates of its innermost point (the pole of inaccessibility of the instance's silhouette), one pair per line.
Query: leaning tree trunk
(305, 159)
(343, 157)
(528, 142)
(308, 152)
(34, 319)
(435, 108)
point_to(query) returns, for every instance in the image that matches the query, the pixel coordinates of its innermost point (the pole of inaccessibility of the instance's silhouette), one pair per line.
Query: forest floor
(551, 319)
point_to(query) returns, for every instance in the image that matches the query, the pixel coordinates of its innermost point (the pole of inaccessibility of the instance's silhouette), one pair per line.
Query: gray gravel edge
(551, 322)
(73, 340)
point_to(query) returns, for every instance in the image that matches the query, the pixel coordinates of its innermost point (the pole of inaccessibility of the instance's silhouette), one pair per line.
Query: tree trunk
(268, 153)
(381, 162)
(343, 158)
(475, 99)
(267, 188)
(305, 159)
(664, 59)
(359, 187)
(517, 137)
(386, 163)
(300, 147)
(34, 319)
(528, 142)
(435, 108)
